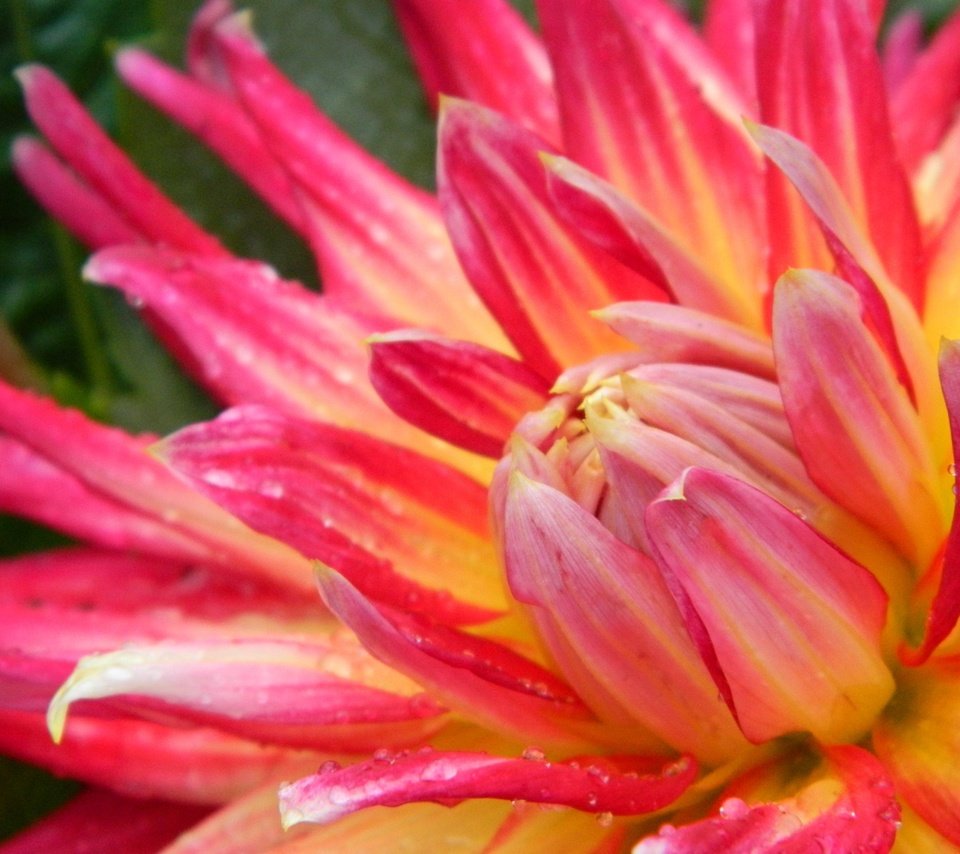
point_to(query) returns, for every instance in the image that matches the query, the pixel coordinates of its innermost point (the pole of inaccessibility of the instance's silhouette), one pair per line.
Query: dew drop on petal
(734, 808)
(534, 754)
(439, 771)
(329, 767)
(604, 819)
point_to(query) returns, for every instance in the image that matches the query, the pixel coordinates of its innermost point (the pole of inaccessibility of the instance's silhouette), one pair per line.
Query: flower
(682, 326)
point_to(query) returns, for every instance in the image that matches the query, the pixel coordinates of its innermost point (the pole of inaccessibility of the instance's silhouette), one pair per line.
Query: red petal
(862, 816)
(820, 81)
(83, 211)
(922, 106)
(729, 31)
(536, 278)
(77, 138)
(399, 525)
(795, 624)
(945, 609)
(485, 52)
(145, 759)
(463, 393)
(621, 788)
(644, 105)
(99, 822)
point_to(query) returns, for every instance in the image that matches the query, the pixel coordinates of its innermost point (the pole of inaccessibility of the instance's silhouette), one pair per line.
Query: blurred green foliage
(84, 344)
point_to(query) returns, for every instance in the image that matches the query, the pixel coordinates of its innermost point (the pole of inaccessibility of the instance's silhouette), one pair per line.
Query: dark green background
(81, 343)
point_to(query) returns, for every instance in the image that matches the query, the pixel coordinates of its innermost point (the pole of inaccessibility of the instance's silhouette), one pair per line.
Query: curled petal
(621, 788)
(485, 52)
(852, 808)
(90, 820)
(858, 435)
(463, 393)
(612, 607)
(783, 608)
(77, 138)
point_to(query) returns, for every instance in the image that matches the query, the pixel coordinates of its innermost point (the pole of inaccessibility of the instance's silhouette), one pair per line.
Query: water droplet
(604, 819)
(338, 795)
(329, 767)
(667, 830)
(591, 799)
(439, 771)
(534, 754)
(596, 771)
(678, 767)
(382, 756)
(952, 469)
(734, 808)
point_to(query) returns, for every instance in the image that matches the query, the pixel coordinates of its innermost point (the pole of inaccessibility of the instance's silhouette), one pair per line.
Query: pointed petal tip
(29, 73)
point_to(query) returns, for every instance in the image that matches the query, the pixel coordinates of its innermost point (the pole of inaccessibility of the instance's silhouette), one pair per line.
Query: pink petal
(644, 105)
(463, 393)
(219, 121)
(858, 435)
(83, 211)
(673, 333)
(945, 609)
(614, 610)
(901, 49)
(729, 31)
(634, 237)
(512, 696)
(863, 817)
(252, 337)
(922, 106)
(84, 146)
(324, 693)
(106, 470)
(381, 245)
(536, 278)
(313, 486)
(622, 788)
(90, 823)
(485, 52)
(820, 81)
(795, 624)
(145, 759)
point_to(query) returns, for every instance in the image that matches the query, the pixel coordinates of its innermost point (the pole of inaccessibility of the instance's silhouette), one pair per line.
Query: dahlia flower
(623, 466)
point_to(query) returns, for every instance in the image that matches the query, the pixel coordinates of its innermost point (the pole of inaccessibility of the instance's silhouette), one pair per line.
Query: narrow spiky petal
(312, 485)
(533, 275)
(858, 435)
(794, 623)
(485, 52)
(730, 32)
(606, 598)
(901, 48)
(623, 788)
(820, 81)
(851, 808)
(644, 105)
(91, 819)
(152, 760)
(220, 122)
(86, 213)
(252, 337)
(379, 240)
(85, 147)
(461, 392)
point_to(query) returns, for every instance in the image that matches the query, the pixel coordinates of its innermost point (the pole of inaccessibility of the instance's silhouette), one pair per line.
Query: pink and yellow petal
(537, 278)
(783, 608)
